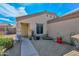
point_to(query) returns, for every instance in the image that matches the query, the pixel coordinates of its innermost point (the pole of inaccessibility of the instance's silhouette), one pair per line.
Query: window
(39, 28)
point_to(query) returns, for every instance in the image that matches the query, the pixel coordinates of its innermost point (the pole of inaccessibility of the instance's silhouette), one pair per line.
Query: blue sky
(9, 11)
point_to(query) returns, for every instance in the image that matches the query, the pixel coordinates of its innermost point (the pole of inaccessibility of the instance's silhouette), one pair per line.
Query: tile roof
(66, 17)
(37, 14)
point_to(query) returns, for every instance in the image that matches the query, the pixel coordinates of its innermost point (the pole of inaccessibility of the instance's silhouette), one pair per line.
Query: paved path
(23, 48)
(15, 50)
(27, 49)
(50, 48)
(44, 48)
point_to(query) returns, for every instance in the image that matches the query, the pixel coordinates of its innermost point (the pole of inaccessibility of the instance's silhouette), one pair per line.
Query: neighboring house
(3, 28)
(7, 28)
(64, 26)
(36, 23)
(11, 29)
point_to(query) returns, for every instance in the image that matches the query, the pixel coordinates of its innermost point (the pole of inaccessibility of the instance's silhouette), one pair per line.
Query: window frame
(40, 28)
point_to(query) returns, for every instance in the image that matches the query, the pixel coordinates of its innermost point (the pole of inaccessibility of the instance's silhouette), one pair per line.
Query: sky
(9, 11)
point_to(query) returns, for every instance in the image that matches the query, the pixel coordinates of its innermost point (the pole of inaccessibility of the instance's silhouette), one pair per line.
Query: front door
(24, 29)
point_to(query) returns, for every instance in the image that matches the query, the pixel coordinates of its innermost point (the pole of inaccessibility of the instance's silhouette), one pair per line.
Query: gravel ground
(50, 48)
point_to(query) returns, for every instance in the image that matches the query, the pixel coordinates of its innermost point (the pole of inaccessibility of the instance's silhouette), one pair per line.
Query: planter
(30, 38)
(37, 37)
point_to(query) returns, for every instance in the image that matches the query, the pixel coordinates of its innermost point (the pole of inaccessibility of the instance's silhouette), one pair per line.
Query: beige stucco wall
(64, 28)
(33, 21)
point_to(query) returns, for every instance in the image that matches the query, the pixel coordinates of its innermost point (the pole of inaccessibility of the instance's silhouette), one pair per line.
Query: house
(7, 29)
(11, 29)
(36, 23)
(65, 26)
(48, 23)
(3, 28)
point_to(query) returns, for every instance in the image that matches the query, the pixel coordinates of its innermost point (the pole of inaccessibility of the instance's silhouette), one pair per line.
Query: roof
(3, 24)
(32, 15)
(66, 17)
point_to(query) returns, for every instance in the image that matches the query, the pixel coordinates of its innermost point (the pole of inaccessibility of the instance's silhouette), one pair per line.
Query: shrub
(6, 42)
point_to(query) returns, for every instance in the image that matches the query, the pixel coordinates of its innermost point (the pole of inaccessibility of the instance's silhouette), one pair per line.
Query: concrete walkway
(23, 48)
(27, 49)
(38, 47)
(51, 48)
(15, 50)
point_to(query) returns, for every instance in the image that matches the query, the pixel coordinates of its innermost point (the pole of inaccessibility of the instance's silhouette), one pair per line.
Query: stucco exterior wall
(41, 19)
(63, 28)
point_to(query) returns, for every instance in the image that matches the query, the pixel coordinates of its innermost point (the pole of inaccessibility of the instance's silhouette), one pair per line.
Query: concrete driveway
(39, 47)
(51, 48)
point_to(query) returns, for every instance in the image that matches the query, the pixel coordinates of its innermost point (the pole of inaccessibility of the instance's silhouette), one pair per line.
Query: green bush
(6, 42)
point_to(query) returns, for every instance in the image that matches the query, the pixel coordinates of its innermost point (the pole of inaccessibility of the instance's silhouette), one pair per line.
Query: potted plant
(30, 37)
